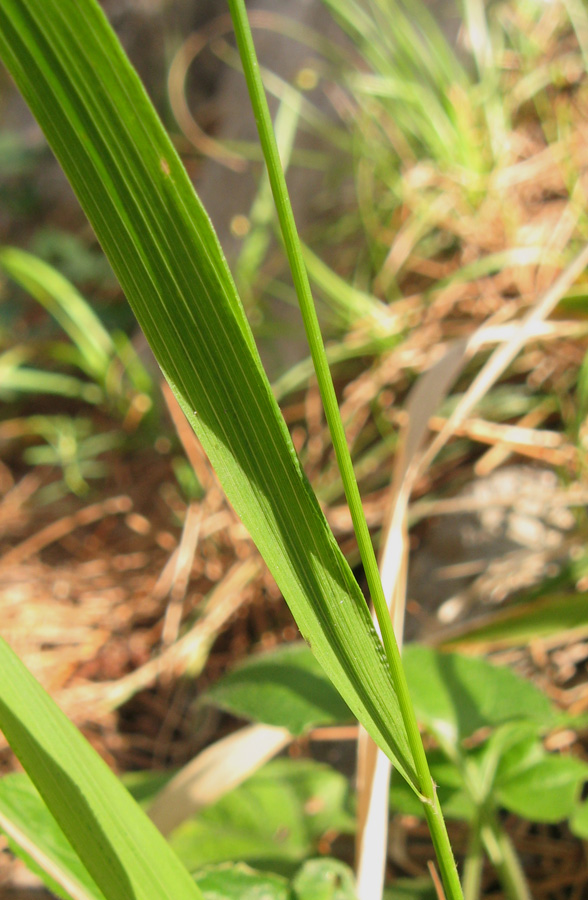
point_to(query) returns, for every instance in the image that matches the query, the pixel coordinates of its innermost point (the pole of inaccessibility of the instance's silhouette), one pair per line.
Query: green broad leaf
(524, 752)
(119, 846)
(273, 821)
(239, 882)
(579, 821)
(547, 790)
(100, 123)
(324, 879)
(454, 696)
(317, 879)
(34, 836)
(285, 687)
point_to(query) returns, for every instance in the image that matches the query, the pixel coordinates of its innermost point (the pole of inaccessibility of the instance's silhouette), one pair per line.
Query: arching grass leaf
(81, 88)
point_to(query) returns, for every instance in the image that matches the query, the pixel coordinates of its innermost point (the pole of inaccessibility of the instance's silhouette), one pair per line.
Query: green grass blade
(262, 212)
(348, 302)
(121, 849)
(65, 304)
(95, 113)
(36, 838)
(23, 380)
(300, 278)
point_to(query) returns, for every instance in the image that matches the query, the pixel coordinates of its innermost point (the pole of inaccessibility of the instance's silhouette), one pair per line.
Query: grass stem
(504, 858)
(474, 863)
(424, 782)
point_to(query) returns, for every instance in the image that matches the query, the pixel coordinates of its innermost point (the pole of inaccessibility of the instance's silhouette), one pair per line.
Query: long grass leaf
(95, 113)
(65, 304)
(123, 852)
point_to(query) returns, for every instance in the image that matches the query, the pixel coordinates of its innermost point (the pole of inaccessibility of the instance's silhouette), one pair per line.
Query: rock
(508, 531)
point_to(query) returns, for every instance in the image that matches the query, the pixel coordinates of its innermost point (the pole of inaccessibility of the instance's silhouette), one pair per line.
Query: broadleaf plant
(285, 688)
(71, 70)
(488, 722)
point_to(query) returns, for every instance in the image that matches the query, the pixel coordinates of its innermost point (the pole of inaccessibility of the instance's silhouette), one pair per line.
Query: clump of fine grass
(461, 231)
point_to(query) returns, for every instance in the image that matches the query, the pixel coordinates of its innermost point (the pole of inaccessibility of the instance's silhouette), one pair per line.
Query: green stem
(293, 246)
(474, 863)
(443, 851)
(504, 858)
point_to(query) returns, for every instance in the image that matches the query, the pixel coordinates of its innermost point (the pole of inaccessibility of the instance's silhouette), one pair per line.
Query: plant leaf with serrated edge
(81, 88)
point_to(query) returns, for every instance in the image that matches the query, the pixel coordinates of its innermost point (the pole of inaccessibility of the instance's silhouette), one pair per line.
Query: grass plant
(293, 246)
(94, 369)
(430, 141)
(162, 248)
